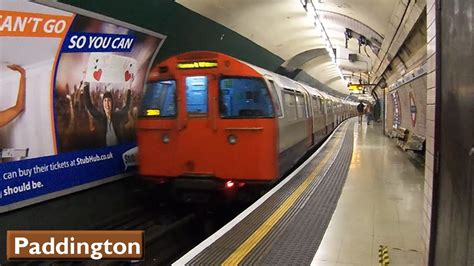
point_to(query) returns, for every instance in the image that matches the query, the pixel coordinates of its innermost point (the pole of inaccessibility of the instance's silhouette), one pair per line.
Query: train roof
(287, 82)
(281, 80)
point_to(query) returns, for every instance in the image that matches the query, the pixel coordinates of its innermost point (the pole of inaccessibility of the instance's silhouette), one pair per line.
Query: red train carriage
(207, 119)
(210, 121)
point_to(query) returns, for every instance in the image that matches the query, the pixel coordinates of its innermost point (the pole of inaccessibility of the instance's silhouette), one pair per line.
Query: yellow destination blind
(197, 65)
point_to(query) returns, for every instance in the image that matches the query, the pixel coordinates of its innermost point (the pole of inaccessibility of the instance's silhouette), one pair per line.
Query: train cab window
(244, 98)
(159, 99)
(196, 95)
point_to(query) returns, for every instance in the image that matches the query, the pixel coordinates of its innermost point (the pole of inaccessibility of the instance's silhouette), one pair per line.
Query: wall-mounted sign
(408, 77)
(355, 88)
(397, 114)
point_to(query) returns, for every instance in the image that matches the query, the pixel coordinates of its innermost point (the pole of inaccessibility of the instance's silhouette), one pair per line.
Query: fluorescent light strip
(312, 13)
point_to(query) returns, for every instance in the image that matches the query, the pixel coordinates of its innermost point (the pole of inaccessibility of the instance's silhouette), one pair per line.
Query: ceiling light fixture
(312, 13)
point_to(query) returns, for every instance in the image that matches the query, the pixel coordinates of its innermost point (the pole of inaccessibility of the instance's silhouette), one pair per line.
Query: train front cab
(207, 122)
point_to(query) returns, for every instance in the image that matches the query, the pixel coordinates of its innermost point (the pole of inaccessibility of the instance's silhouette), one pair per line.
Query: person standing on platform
(360, 110)
(368, 113)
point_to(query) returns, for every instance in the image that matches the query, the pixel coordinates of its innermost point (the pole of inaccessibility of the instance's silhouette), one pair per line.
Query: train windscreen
(159, 99)
(244, 98)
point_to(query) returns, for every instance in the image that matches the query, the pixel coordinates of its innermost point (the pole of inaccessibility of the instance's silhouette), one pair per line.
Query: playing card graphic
(110, 68)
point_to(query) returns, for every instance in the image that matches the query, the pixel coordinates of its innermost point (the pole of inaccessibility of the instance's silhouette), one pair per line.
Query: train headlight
(232, 139)
(229, 184)
(165, 138)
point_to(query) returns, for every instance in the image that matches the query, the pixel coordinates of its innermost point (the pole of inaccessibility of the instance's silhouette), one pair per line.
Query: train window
(308, 106)
(276, 99)
(244, 98)
(159, 99)
(290, 105)
(315, 104)
(300, 106)
(196, 94)
(321, 105)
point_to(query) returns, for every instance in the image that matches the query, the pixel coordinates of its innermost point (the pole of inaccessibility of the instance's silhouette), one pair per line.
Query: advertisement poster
(412, 109)
(70, 86)
(397, 113)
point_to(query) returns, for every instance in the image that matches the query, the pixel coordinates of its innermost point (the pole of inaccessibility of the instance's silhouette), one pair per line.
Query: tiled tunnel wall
(411, 55)
(423, 89)
(430, 124)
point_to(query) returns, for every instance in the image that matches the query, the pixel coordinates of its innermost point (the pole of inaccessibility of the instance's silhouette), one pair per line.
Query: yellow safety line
(262, 231)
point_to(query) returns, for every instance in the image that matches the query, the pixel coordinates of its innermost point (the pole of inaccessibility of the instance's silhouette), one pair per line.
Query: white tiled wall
(430, 117)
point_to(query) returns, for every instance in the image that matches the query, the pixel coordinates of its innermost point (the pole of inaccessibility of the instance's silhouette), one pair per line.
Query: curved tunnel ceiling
(375, 14)
(284, 28)
(300, 59)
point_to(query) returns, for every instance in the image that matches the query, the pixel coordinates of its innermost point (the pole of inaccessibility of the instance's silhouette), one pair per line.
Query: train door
(196, 124)
(308, 115)
(329, 115)
(324, 118)
(319, 118)
(339, 113)
(332, 108)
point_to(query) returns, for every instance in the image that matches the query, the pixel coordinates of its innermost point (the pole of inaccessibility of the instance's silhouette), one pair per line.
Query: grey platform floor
(381, 204)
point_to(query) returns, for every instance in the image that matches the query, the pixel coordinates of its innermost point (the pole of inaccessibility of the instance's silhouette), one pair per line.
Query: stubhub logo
(130, 157)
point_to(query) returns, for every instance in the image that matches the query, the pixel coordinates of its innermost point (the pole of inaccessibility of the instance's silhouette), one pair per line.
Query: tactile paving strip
(304, 207)
(302, 232)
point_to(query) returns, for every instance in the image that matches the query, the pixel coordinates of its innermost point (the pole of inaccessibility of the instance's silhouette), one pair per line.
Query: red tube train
(212, 122)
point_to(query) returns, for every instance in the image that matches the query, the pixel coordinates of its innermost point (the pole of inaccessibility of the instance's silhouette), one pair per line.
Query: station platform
(315, 216)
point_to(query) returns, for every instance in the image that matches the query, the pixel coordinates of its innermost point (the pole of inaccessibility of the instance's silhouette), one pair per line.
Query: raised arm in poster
(31, 35)
(7, 115)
